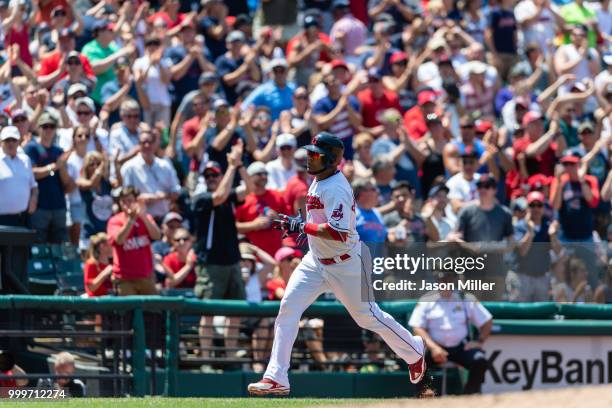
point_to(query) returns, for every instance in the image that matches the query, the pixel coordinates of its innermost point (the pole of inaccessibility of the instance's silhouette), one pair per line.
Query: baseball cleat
(267, 386)
(417, 370)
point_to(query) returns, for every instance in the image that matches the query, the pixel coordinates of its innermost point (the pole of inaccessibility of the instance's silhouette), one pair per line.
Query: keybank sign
(535, 362)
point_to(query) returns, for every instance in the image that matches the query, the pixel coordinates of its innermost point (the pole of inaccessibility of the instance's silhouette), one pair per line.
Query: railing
(179, 314)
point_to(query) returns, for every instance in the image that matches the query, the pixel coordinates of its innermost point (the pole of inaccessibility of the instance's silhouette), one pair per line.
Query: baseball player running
(337, 261)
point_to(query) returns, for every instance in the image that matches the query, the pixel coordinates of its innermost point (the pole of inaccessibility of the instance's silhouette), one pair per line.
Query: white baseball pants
(309, 280)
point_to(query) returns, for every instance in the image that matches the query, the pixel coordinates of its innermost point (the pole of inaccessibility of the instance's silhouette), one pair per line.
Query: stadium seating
(55, 269)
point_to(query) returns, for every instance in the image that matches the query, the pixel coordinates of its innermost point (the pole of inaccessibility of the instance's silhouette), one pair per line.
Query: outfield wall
(539, 345)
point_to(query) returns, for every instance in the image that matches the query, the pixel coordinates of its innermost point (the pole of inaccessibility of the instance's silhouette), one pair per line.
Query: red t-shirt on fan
(270, 240)
(133, 259)
(371, 106)
(173, 262)
(91, 271)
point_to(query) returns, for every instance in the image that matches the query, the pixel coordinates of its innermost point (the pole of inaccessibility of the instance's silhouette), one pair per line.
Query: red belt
(334, 260)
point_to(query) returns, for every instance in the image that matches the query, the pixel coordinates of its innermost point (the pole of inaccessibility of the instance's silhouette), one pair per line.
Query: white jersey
(331, 201)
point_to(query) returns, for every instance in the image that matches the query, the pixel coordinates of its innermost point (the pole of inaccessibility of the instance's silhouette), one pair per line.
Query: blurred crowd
(162, 138)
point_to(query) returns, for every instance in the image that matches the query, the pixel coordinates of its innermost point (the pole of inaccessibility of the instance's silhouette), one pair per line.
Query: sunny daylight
(305, 203)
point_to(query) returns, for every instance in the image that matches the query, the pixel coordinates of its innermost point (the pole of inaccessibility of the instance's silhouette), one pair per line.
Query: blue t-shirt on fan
(51, 191)
(371, 230)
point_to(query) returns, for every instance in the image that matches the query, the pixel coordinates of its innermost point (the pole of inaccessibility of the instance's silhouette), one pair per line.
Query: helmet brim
(315, 149)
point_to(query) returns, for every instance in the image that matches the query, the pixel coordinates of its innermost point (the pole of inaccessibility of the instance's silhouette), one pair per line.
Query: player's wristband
(311, 229)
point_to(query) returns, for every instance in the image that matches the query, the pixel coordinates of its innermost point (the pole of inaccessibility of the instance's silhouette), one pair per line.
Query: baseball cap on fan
(300, 158)
(76, 88)
(286, 139)
(212, 167)
(9, 132)
(172, 216)
(425, 97)
(530, 117)
(536, 196)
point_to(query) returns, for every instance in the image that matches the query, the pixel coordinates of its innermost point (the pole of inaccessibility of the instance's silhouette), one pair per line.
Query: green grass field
(185, 402)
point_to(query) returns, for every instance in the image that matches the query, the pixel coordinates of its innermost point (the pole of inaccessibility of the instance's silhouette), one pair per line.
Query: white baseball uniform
(331, 200)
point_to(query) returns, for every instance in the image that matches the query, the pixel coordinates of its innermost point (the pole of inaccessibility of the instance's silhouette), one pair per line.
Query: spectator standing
(395, 144)
(405, 225)
(16, 181)
(189, 60)
(102, 52)
(96, 137)
(298, 119)
(535, 235)
(281, 169)
(489, 225)
(432, 149)
(66, 62)
(438, 224)
(49, 167)
(17, 30)
(307, 50)
(576, 12)
(462, 186)
(261, 206)
(193, 137)
(297, 186)
(155, 178)
(95, 189)
(76, 209)
(578, 57)
(376, 99)
(501, 37)
(226, 131)
(348, 32)
(233, 67)
(213, 25)
(275, 94)
(98, 267)
(157, 73)
(362, 160)
(485, 220)
(124, 137)
(536, 152)
(169, 13)
(414, 118)
(216, 247)
(338, 113)
(574, 195)
(130, 232)
(595, 162)
(537, 21)
(369, 221)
